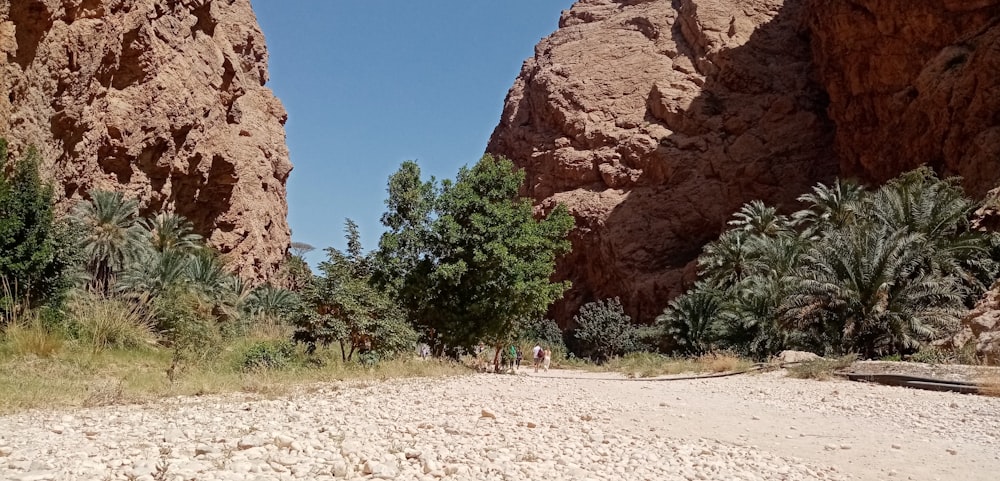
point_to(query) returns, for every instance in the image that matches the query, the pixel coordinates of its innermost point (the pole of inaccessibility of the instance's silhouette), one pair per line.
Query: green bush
(265, 355)
(36, 249)
(604, 331)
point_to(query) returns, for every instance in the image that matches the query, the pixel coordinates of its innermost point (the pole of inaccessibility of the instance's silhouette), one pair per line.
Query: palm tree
(758, 218)
(724, 261)
(155, 273)
(829, 207)
(864, 289)
(938, 209)
(690, 320)
(272, 302)
(113, 237)
(171, 231)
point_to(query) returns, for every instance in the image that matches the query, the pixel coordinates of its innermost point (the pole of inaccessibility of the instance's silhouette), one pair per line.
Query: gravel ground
(559, 425)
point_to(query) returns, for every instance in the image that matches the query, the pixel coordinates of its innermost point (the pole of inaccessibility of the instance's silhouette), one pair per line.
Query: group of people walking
(541, 357)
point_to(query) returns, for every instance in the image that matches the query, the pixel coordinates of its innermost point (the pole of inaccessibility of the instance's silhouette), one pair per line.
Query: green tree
(865, 291)
(169, 231)
(349, 309)
(36, 249)
(486, 261)
(690, 321)
(604, 331)
(404, 245)
(113, 237)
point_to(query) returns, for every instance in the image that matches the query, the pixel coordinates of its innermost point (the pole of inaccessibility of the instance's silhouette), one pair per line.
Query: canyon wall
(653, 121)
(912, 83)
(162, 99)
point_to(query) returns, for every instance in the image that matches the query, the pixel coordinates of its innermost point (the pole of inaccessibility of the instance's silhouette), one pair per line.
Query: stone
(248, 442)
(486, 413)
(164, 101)
(797, 356)
(6, 451)
(283, 441)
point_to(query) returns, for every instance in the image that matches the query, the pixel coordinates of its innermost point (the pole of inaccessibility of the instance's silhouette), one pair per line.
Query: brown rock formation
(653, 121)
(163, 99)
(912, 83)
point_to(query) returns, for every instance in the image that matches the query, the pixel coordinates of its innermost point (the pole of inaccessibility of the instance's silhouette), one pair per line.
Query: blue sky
(369, 84)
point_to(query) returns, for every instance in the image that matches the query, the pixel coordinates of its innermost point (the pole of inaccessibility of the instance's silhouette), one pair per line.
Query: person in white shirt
(536, 356)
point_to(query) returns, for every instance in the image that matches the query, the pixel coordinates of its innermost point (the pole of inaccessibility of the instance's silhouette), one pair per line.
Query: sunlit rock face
(162, 99)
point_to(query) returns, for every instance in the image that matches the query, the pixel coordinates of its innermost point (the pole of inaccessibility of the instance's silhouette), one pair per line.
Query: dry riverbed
(559, 425)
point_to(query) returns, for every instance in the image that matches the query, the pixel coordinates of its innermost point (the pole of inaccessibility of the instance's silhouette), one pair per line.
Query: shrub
(603, 330)
(264, 355)
(545, 331)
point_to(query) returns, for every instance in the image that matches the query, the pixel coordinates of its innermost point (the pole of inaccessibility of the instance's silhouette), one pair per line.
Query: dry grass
(820, 369)
(77, 376)
(30, 338)
(644, 364)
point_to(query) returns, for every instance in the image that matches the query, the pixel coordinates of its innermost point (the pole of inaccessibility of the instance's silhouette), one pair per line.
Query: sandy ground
(556, 425)
(888, 432)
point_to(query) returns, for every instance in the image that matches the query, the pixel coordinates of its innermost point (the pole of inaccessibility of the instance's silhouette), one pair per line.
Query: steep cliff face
(162, 99)
(912, 83)
(655, 120)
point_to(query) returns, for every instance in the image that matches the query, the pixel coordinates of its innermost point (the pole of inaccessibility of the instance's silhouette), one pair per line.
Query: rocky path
(548, 426)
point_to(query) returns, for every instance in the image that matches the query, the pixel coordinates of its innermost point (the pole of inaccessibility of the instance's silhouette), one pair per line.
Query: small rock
(830, 447)
(531, 425)
(896, 446)
(250, 442)
(952, 451)
(340, 469)
(411, 453)
(845, 446)
(283, 441)
(5, 451)
(488, 414)
(204, 449)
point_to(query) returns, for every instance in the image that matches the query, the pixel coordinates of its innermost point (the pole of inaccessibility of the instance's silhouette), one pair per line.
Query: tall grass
(110, 323)
(28, 337)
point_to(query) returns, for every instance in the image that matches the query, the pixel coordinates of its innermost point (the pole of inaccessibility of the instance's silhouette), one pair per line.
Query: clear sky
(371, 83)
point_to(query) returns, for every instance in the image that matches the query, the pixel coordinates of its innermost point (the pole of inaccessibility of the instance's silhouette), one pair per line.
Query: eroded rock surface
(163, 99)
(654, 121)
(912, 83)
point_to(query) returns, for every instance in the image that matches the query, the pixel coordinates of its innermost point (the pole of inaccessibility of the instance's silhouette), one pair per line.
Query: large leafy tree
(477, 261)
(36, 249)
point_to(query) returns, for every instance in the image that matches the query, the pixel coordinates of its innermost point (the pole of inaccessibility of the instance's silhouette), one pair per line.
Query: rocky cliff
(163, 99)
(653, 121)
(912, 83)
